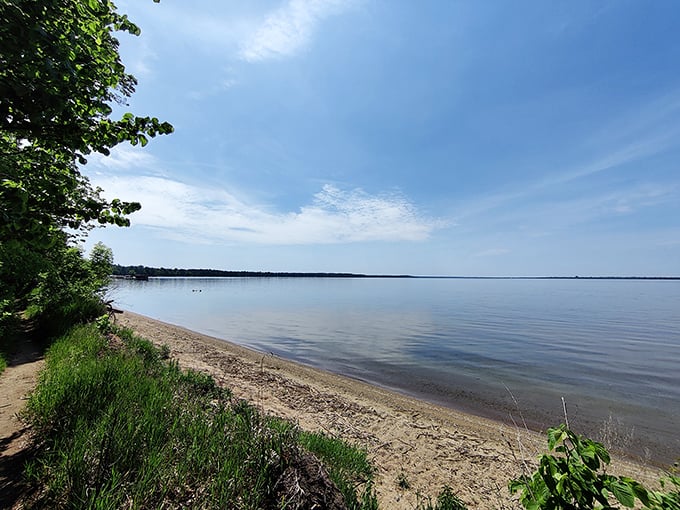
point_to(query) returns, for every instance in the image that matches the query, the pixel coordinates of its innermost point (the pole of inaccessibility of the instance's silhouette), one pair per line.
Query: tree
(60, 75)
(101, 262)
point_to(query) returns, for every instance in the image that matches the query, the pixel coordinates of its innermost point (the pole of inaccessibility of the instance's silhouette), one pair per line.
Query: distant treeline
(119, 270)
(144, 271)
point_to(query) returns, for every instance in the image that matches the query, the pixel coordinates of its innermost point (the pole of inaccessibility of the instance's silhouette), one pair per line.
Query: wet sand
(423, 444)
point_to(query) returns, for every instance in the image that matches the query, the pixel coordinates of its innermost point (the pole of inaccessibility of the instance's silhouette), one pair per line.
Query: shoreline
(429, 445)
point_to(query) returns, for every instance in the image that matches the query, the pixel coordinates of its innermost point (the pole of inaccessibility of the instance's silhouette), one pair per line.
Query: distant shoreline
(131, 271)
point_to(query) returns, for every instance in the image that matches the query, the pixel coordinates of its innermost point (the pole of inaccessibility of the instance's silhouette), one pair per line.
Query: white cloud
(288, 29)
(123, 157)
(193, 214)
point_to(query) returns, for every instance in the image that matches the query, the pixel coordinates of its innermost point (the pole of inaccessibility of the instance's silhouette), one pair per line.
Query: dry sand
(427, 446)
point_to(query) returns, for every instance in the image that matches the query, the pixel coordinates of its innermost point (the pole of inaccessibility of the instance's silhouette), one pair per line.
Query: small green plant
(103, 324)
(402, 481)
(446, 500)
(574, 480)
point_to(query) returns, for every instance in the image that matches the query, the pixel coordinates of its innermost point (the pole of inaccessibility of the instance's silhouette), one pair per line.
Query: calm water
(607, 347)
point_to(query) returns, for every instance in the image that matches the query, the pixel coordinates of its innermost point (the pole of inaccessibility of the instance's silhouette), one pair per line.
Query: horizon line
(325, 274)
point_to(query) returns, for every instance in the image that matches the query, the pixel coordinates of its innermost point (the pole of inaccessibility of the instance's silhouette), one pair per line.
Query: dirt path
(16, 383)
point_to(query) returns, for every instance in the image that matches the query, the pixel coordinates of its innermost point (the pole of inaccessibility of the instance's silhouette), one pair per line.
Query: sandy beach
(423, 445)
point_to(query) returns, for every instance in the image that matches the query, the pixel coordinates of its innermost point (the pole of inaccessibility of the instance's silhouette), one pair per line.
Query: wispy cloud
(143, 59)
(493, 252)
(194, 214)
(547, 217)
(617, 155)
(628, 152)
(289, 29)
(579, 211)
(122, 158)
(214, 89)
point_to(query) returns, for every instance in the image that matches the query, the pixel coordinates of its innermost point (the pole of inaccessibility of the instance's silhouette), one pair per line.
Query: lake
(505, 349)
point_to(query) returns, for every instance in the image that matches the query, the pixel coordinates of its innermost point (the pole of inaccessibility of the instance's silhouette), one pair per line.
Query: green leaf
(556, 435)
(623, 493)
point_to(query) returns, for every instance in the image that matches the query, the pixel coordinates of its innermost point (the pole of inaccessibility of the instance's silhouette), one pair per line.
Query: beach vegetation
(7, 330)
(348, 467)
(402, 481)
(119, 425)
(446, 500)
(572, 476)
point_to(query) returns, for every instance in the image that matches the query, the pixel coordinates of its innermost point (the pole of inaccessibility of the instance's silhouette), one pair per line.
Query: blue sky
(376, 136)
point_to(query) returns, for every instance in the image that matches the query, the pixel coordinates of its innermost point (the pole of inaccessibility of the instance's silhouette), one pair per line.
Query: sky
(463, 138)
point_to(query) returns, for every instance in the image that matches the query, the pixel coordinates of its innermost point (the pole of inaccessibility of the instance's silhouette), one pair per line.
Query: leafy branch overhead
(60, 75)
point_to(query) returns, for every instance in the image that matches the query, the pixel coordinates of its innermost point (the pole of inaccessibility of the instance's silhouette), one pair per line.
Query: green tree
(101, 263)
(60, 76)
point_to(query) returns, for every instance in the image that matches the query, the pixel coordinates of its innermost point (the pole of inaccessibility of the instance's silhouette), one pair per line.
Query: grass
(349, 468)
(121, 426)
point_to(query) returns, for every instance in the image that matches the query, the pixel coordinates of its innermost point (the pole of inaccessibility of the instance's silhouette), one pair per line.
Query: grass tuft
(348, 467)
(446, 500)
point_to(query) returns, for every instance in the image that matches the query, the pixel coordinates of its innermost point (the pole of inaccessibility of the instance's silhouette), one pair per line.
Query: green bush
(57, 317)
(574, 480)
(9, 329)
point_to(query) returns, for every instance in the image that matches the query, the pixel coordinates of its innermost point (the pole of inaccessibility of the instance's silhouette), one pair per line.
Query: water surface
(493, 347)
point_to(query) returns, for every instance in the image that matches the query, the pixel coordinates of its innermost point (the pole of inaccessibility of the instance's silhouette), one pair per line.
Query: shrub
(573, 480)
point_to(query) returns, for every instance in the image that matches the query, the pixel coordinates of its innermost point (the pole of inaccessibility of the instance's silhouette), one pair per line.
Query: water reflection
(610, 346)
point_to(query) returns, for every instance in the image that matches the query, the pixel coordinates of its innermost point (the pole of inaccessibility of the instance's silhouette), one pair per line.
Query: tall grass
(120, 426)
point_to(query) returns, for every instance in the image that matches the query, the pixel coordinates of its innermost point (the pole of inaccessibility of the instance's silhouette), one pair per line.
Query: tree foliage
(60, 74)
(60, 77)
